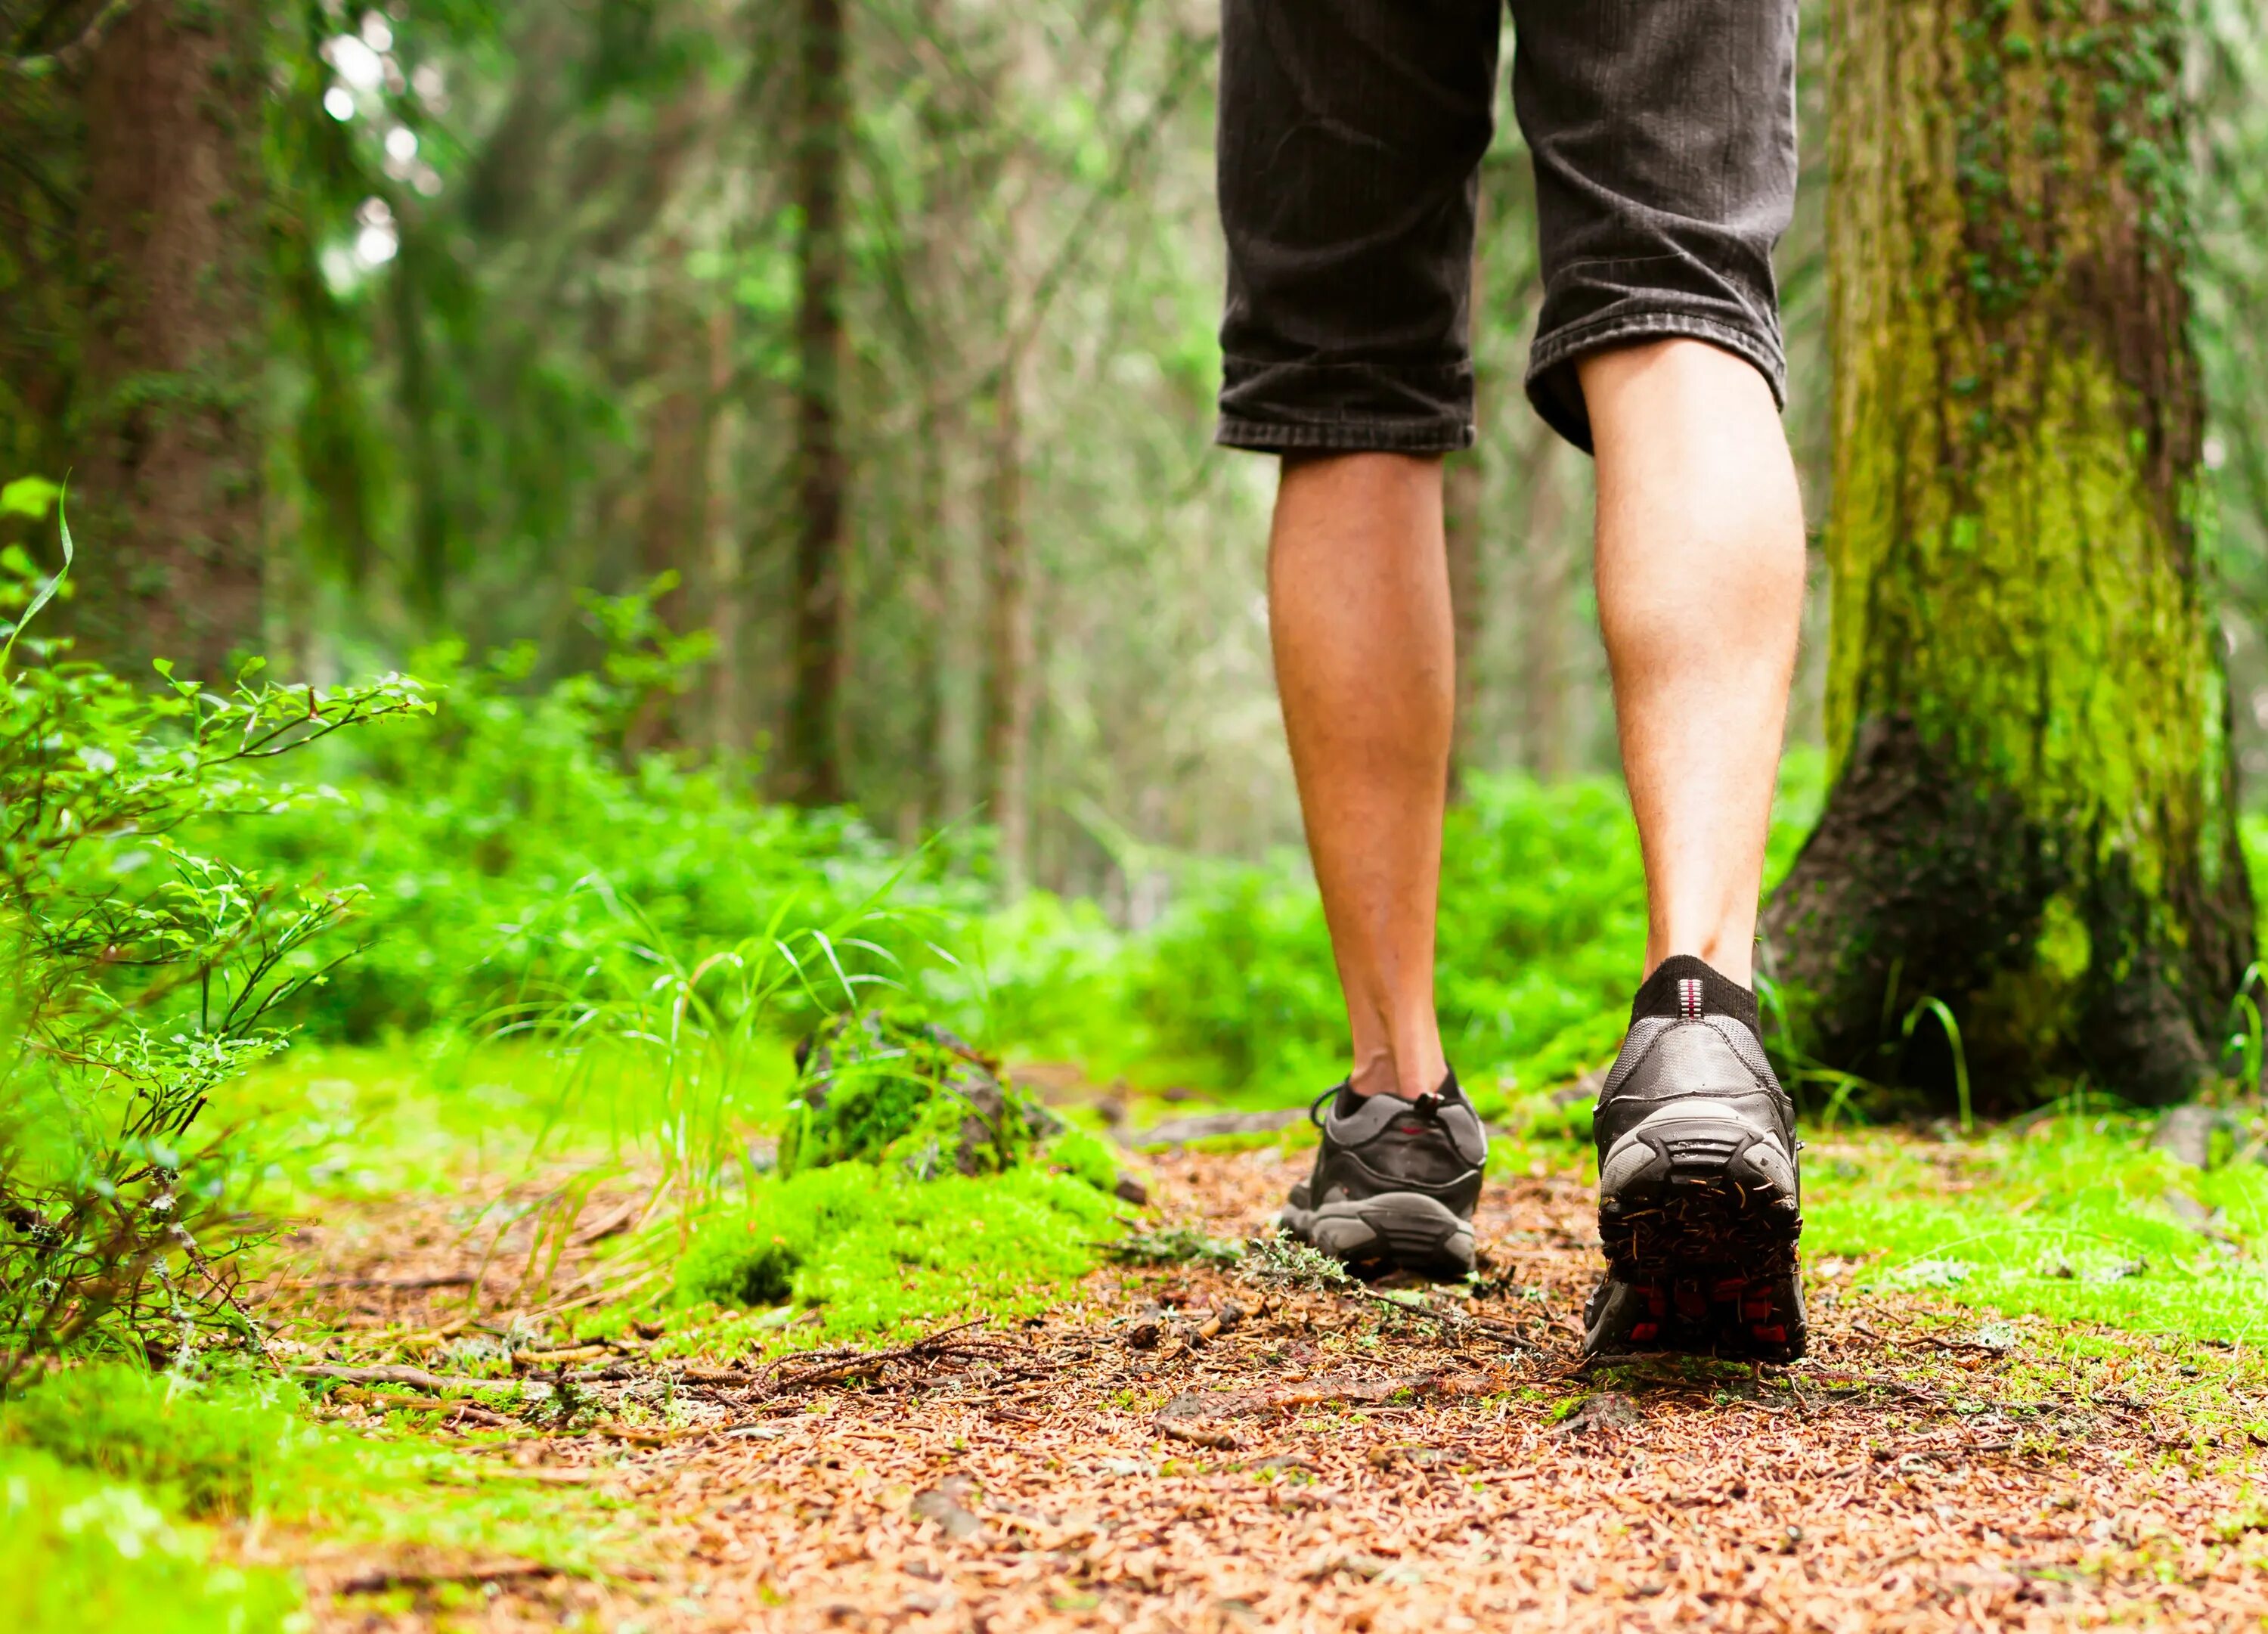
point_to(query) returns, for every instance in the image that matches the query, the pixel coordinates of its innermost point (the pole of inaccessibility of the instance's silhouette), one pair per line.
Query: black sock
(1683, 985)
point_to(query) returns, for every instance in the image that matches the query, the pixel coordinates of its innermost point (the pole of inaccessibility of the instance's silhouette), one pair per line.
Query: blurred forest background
(884, 330)
(835, 380)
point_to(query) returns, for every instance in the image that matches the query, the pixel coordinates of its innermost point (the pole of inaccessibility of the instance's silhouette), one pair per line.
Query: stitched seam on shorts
(1352, 435)
(1552, 349)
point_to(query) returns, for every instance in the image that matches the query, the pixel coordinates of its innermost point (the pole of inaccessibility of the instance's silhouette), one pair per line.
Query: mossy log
(2032, 815)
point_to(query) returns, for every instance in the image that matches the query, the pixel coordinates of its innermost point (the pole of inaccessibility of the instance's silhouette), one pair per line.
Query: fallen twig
(795, 1372)
(387, 1578)
(416, 1378)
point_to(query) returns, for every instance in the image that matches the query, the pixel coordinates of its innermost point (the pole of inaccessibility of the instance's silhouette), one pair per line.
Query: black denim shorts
(1351, 132)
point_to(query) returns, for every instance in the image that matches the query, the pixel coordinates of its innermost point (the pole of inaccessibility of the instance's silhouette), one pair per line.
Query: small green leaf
(30, 496)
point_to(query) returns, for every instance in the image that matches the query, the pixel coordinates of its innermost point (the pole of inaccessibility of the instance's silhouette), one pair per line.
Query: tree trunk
(1462, 490)
(171, 479)
(814, 745)
(1010, 677)
(727, 735)
(1548, 570)
(2033, 813)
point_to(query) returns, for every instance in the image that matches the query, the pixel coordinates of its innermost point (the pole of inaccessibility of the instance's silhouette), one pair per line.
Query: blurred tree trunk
(1462, 490)
(171, 478)
(1010, 677)
(728, 733)
(429, 524)
(1547, 578)
(813, 768)
(2033, 818)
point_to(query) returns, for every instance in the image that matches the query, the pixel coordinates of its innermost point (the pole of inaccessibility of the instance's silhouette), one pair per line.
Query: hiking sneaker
(1394, 1182)
(1698, 1203)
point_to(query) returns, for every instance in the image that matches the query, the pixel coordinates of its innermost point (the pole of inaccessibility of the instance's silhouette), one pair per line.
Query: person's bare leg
(1359, 598)
(1700, 576)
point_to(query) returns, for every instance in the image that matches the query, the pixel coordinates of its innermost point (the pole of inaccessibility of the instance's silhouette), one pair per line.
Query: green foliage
(875, 1252)
(518, 854)
(1542, 927)
(1086, 1157)
(80, 1551)
(141, 974)
(230, 1445)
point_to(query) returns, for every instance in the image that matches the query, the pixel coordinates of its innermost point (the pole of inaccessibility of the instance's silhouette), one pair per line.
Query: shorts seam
(1564, 344)
(1351, 435)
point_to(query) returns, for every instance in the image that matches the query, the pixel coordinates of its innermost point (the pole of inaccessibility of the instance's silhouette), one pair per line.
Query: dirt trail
(1148, 1458)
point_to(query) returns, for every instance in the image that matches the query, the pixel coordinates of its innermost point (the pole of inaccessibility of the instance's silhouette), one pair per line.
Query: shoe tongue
(1684, 988)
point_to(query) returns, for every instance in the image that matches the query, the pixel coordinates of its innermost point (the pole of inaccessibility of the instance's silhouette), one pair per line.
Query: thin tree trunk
(813, 738)
(1549, 574)
(1461, 513)
(429, 541)
(1463, 491)
(172, 478)
(1011, 677)
(2033, 818)
(728, 733)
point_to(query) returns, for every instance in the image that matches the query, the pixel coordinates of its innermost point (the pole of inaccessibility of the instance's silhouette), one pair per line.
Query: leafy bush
(140, 974)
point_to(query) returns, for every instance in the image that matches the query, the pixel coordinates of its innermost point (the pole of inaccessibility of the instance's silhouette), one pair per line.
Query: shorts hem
(1389, 437)
(1560, 401)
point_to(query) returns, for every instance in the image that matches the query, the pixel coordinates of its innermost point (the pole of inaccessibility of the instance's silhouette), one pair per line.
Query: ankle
(1732, 956)
(1410, 1075)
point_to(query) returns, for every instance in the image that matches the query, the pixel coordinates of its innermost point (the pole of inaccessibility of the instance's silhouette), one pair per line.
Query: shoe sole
(1406, 1229)
(1698, 1215)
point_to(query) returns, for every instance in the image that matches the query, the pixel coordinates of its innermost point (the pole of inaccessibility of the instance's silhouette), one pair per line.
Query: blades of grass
(47, 592)
(1931, 1005)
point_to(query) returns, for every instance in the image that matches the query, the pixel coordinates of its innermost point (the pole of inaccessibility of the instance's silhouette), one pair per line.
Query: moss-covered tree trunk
(2031, 817)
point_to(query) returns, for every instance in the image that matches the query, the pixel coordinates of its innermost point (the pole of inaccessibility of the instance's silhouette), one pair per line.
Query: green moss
(874, 1252)
(2074, 1217)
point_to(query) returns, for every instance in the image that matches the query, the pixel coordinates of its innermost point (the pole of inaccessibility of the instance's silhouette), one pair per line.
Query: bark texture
(2032, 817)
(172, 476)
(814, 747)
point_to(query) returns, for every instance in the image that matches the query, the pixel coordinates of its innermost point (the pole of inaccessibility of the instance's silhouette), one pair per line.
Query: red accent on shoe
(1774, 1334)
(1728, 1290)
(1756, 1310)
(1641, 1332)
(1690, 1303)
(1657, 1303)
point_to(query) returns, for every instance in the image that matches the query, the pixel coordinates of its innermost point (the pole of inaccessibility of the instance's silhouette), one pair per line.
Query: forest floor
(1176, 1448)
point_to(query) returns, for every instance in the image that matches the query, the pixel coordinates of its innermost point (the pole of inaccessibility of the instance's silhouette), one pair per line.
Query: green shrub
(140, 972)
(520, 858)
